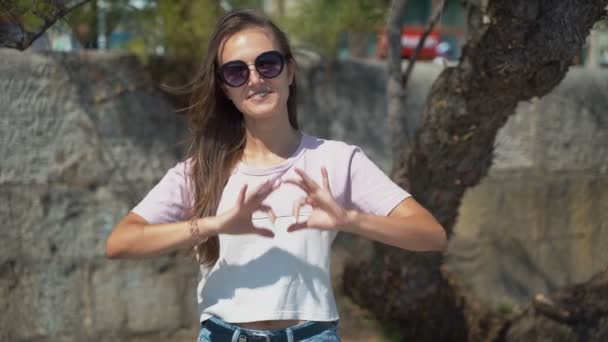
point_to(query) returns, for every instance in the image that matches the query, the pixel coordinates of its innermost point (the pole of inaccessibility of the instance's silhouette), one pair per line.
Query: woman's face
(259, 97)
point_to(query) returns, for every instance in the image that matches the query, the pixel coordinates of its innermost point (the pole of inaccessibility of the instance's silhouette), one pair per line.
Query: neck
(270, 141)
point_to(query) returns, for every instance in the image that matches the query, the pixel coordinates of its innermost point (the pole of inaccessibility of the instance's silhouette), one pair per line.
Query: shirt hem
(275, 315)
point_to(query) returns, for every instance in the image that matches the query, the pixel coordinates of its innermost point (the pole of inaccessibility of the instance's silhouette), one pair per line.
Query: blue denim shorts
(217, 330)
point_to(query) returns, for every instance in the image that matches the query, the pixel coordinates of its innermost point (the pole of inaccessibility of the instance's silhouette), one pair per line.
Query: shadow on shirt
(274, 266)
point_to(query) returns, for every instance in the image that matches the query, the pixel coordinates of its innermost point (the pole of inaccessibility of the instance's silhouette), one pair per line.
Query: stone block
(187, 275)
(572, 119)
(44, 302)
(521, 233)
(70, 130)
(45, 141)
(137, 297)
(108, 307)
(59, 222)
(14, 214)
(154, 304)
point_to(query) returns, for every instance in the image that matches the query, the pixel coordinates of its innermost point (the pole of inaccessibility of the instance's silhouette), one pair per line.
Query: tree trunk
(577, 313)
(515, 50)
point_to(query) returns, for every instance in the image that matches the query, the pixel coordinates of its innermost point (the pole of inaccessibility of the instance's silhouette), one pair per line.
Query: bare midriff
(269, 325)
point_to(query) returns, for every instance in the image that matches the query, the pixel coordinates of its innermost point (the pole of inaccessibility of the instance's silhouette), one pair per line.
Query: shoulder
(335, 149)
(182, 168)
(179, 172)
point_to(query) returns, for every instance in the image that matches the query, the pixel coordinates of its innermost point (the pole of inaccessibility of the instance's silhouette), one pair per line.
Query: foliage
(84, 21)
(320, 24)
(180, 28)
(177, 28)
(23, 21)
(187, 25)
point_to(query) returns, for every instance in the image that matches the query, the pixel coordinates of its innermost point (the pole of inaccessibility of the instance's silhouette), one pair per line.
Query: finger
(269, 211)
(263, 231)
(325, 178)
(265, 187)
(297, 226)
(297, 204)
(241, 197)
(310, 183)
(299, 183)
(276, 182)
(260, 193)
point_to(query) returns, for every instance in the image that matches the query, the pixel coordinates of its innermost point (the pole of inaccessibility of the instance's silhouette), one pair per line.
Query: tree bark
(515, 50)
(576, 313)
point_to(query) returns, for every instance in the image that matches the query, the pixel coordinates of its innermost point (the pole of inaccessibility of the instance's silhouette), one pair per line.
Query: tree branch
(26, 38)
(5, 42)
(395, 93)
(429, 27)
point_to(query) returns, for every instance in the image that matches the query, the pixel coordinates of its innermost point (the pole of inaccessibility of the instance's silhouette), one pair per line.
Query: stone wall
(539, 221)
(347, 101)
(84, 136)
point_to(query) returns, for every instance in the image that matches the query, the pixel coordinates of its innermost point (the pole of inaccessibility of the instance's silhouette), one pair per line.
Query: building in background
(444, 41)
(449, 35)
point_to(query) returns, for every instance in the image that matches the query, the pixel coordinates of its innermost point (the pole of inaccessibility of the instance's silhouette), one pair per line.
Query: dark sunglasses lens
(235, 74)
(269, 64)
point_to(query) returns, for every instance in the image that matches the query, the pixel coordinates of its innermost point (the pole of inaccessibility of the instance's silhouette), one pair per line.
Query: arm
(134, 237)
(408, 226)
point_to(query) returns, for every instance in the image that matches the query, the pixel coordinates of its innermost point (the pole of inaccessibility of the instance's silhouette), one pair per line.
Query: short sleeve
(371, 191)
(167, 201)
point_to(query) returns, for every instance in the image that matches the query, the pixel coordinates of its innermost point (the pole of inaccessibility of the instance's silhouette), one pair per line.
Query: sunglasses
(269, 64)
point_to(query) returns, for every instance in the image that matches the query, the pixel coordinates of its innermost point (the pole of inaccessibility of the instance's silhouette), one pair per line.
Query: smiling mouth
(260, 94)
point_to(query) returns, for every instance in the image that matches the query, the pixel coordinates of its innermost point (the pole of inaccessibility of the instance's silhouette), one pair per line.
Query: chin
(260, 114)
(261, 111)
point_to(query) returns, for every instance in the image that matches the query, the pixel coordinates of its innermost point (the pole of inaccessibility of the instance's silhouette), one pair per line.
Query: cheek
(286, 93)
(285, 88)
(234, 95)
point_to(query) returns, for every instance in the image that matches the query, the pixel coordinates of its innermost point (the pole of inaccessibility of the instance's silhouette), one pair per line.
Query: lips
(260, 94)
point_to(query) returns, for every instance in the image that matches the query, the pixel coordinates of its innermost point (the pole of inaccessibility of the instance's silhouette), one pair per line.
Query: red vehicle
(410, 36)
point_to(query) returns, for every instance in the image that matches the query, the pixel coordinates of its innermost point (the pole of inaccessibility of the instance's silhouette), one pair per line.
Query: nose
(254, 76)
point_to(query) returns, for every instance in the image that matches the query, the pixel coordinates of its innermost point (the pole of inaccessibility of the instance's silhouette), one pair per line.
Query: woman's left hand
(326, 214)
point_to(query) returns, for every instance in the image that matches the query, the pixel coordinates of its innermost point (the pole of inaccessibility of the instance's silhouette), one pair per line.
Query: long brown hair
(217, 127)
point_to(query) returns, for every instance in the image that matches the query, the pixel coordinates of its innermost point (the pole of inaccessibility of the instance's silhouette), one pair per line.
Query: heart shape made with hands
(321, 210)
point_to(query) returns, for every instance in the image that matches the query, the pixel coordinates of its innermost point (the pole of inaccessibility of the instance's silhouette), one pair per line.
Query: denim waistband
(230, 332)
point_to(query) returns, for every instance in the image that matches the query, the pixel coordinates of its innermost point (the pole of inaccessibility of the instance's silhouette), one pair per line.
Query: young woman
(261, 202)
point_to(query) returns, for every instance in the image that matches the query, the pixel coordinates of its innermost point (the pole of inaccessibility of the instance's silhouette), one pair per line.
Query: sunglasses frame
(282, 58)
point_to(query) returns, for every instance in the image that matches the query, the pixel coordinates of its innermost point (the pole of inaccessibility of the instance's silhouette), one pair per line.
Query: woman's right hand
(238, 219)
(133, 237)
